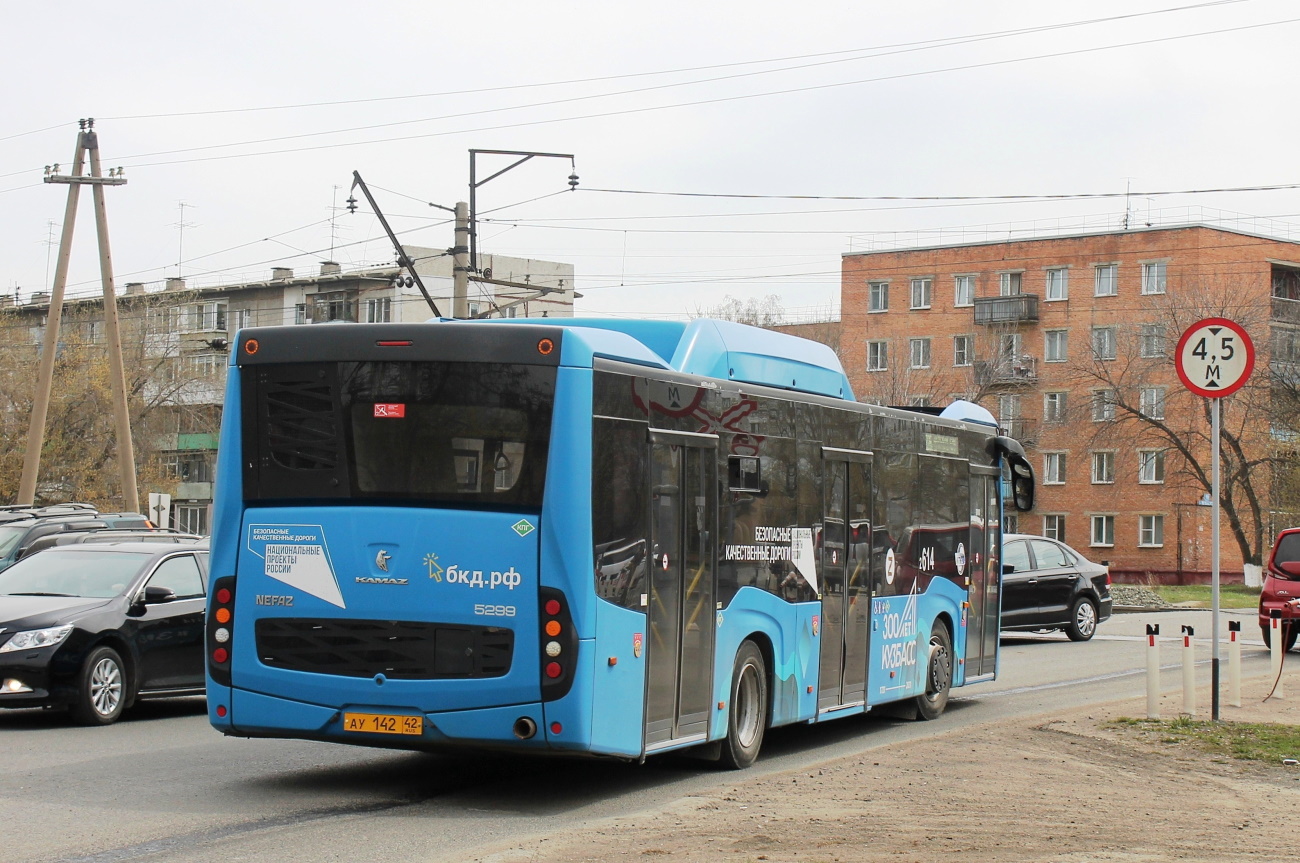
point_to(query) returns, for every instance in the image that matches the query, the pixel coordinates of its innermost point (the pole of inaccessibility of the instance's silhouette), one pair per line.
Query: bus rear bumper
(253, 714)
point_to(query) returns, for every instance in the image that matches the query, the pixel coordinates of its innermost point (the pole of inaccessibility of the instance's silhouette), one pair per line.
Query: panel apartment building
(184, 332)
(1068, 340)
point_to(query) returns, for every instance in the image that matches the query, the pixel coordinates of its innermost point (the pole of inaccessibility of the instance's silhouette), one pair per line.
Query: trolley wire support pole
(1153, 671)
(117, 374)
(86, 142)
(1189, 672)
(402, 259)
(474, 183)
(1234, 663)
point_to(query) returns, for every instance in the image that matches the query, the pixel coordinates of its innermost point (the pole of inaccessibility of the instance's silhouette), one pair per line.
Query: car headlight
(34, 639)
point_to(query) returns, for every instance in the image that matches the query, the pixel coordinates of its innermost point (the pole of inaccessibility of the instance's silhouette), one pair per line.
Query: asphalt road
(162, 785)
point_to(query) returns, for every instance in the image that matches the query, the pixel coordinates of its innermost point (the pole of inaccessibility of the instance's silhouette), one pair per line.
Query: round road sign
(1214, 357)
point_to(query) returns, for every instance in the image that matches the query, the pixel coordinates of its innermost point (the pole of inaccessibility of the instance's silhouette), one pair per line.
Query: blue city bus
(585, 536)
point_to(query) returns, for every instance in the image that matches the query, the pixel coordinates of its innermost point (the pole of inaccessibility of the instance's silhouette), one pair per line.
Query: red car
(1282, 587)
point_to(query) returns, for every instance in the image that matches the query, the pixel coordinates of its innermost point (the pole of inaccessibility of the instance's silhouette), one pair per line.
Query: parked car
(17, 535)
(94, 627)
(1048, 585)
(104, 534)
(1281, 590)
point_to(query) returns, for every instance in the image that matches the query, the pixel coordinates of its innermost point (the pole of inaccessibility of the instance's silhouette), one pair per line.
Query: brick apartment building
(1069, 340)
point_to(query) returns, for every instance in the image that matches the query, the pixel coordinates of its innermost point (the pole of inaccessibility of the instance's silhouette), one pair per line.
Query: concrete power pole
(87, 141)
(460, 264)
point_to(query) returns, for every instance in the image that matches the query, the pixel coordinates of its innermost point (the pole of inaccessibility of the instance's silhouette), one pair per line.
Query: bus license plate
(383, 723)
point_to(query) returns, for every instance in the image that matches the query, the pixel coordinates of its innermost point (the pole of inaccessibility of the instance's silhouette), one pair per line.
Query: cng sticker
(523, 527)
(636, 644)
(961, 558)
(297, 555)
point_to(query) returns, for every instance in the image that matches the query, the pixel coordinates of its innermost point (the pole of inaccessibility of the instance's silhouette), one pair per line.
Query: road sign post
(1214, 357)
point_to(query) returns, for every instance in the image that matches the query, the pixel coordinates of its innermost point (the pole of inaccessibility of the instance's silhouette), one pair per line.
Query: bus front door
(983, 575)
(845, 580)
(683, 522)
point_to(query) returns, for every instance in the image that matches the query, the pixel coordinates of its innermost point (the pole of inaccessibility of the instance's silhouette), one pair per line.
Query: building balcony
(1015, 309)
(1023, 430)
(1287, 311)
(1006, 372)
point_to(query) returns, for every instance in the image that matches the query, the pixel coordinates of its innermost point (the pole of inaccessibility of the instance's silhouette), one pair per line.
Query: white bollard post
(1153, 671)
(1276, 642)
(1189, 672)
(1234, 663)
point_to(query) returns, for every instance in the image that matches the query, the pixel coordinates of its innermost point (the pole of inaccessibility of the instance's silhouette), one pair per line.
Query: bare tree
(767, 312)
(78, 459)
(1122, 362)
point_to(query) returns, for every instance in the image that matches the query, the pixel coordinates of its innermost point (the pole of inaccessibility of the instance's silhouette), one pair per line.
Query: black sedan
(1048, 585)
(93, 628)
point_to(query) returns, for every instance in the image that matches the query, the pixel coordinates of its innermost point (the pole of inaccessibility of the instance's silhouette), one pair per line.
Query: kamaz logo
(371, 579)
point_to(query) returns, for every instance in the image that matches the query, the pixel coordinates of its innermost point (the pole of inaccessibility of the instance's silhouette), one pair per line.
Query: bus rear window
(438, 432)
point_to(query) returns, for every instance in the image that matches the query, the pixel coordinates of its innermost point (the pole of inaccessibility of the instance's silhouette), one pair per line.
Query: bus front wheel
(747, 719)
(938, 674)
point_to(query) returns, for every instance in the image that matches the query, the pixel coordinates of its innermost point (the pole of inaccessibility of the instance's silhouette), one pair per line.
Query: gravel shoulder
(1064, 787)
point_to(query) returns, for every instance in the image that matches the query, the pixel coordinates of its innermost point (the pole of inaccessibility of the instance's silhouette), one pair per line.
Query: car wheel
(747, 718)
(1083, 620)
(101, 697)
(938, 675)
(1292, 629)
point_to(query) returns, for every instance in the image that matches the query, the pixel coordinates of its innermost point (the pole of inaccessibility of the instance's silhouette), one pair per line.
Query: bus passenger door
(683, 516)
(983, 575)
(845, 582)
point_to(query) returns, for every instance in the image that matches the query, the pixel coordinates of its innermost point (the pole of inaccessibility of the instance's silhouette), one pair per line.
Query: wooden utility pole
(87, 141)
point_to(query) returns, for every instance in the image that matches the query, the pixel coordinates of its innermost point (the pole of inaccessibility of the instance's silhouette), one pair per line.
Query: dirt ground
(1054, 788)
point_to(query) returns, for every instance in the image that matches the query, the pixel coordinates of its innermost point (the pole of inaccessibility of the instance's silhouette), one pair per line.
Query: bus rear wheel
(938, 674)
(747, 718)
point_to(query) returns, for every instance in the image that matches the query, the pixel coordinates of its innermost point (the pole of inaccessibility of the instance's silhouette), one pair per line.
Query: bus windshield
(439, 432)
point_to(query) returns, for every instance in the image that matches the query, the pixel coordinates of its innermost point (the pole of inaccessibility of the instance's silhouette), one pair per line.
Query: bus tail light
(559, 644)
(221, 629)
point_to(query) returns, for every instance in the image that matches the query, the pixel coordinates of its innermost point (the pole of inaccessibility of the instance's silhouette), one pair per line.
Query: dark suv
(17, 534)
(1281, 590)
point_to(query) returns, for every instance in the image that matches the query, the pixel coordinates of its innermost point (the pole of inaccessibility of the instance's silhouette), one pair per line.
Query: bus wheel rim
(747, 706)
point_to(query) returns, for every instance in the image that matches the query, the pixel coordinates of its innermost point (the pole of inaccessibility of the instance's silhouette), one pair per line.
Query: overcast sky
(254, 116)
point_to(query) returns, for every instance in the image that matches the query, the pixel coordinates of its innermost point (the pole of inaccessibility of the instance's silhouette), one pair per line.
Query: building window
(300, 313)
(1103, 343)
(208, 317)
(1103, 530)
(1010, 523)
(1105, 280)
(1009, 347)
(1153, 278)
(1009, 284)
(1103, 467)
(1054, 527)
(877, 356)
(190, 519)
(240, 319)
(208, 365)
(379, 310)
(1151, 402)
(1151, 466)
(1058, 283)
(1286, 345)
(189, 466)
(1152, 345)
(1008, 408)
(920, 350)
(332, 306)
(1053, 468)
(1103, 405)
(961, 350)
(965, 291)
(1054, 407)
(1054, 346)
(878, 297)
(921, 293)
(1151, 530)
